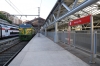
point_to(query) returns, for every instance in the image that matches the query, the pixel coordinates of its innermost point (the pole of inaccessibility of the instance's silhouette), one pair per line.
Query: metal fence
(80, 40)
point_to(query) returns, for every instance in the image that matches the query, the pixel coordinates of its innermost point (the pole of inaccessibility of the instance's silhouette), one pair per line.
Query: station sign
(80, 21)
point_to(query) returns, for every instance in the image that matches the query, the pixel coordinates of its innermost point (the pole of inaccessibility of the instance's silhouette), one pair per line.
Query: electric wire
(13, 7)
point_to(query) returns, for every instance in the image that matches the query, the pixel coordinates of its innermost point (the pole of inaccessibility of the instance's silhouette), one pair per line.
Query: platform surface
(41, 51)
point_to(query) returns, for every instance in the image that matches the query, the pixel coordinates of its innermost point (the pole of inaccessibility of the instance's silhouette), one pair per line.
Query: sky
(28, 7)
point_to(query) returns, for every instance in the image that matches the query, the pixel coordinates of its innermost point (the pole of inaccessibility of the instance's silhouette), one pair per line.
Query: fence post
(95, 43)
(45, 32)
(74, 39)
(64, 38)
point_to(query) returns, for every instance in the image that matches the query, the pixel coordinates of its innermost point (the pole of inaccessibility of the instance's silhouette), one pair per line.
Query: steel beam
(74, 10)
(23, 15)
(74, 5)
(66, 6)
(85, 4)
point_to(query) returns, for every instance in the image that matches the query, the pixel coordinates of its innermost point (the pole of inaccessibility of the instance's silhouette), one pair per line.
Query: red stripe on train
(3, 28)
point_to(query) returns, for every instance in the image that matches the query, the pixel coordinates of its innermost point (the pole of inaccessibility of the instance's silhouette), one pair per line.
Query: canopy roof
(65, 11)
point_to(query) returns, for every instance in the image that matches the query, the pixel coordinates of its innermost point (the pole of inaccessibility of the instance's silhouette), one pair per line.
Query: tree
(2, 16)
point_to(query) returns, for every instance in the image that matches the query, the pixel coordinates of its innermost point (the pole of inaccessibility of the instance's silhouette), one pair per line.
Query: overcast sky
(28, 7)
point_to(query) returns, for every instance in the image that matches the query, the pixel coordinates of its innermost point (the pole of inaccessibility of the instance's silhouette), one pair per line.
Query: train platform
(41, 51)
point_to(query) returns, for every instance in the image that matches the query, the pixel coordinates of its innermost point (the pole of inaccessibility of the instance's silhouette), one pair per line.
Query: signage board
(80, 21)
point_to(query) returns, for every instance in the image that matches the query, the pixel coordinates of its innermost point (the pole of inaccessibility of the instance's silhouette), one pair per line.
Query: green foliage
(2, 16)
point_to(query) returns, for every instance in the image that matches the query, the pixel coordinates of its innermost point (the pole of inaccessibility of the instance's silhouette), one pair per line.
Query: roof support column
(56, 34)
(56, 24)
(92, 58)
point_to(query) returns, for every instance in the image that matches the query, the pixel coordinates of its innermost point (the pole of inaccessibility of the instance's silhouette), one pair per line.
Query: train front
(25, 32)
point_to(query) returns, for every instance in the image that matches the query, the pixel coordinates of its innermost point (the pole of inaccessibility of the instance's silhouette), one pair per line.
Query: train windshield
(25, 26)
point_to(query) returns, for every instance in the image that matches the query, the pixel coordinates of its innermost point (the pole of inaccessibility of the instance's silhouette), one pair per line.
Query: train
(26, 32)
(7, 29)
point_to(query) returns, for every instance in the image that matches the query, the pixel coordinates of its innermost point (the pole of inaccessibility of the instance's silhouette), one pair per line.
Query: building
(37, 23)
(14, 19)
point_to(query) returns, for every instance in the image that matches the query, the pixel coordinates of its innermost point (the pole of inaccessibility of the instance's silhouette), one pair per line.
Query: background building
(37, 23)
(14, 19)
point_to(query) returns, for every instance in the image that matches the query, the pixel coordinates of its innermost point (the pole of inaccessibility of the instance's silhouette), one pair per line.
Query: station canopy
(93, 9)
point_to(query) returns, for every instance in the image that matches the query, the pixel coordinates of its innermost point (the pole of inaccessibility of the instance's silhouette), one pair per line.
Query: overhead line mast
(21, 15)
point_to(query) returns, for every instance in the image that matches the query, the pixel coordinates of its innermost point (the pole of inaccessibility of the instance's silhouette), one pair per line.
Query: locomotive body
(26, 31)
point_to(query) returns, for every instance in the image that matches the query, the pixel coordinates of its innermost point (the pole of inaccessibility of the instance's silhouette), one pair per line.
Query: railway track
(7, 43)
(10, 52)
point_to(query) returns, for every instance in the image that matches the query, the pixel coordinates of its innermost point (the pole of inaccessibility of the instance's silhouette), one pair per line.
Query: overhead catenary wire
(13, 7)
(18, 11)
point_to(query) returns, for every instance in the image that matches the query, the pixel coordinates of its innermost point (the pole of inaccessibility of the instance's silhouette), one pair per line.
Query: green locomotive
(26, 32)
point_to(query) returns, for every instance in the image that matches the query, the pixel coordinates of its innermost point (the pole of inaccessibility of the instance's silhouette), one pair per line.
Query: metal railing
(80, 40)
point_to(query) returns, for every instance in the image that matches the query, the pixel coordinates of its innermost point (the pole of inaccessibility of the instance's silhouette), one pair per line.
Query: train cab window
(6, 30)
(25, 26)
